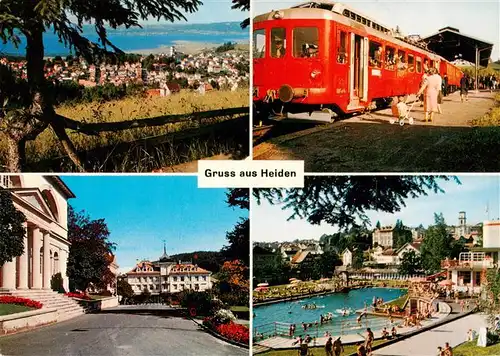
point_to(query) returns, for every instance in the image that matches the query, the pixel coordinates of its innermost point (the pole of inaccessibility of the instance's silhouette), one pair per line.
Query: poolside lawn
(400, 302)
(348, 350)
(471, 349)
(6, 309)
(239, 308)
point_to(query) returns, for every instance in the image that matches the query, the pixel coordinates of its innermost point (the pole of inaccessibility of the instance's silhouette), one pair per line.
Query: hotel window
(182, 279)
(196, 286)
(175, 286)
(175, 279)
(204, 278)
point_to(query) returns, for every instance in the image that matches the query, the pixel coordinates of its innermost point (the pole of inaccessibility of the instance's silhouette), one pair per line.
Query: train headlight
(315, 74)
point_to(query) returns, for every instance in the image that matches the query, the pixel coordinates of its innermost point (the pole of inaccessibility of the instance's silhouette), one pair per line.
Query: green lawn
(470, 349)
(317, 351)
(399, 302)
(239, 308)
(6, 309)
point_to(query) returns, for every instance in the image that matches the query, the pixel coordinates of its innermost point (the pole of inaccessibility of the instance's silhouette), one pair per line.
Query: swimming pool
(292, 313)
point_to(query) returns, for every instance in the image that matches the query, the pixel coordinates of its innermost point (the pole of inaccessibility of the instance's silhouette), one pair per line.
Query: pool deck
(279, 342)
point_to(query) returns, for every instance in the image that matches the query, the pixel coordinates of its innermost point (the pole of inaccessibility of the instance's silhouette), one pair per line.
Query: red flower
(8, 299)
(78, 295)
(236, 332)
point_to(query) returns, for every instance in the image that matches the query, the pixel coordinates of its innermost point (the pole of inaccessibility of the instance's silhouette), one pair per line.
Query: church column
(9, 275)
(37, 241)
(46, 260)
(23, 262)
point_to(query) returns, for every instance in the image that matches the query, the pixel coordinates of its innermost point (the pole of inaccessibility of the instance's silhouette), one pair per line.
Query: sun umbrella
(418, 279)
(259, 289)
(292, 279)
(324, 279)
(446, 282)
(262, 284)
(295, 281)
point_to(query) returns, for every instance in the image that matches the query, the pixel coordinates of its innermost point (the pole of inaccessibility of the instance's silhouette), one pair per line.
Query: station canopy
(452, 45)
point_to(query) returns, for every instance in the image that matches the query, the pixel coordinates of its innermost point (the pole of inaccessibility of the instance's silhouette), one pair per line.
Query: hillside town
(380, 254)
(209, 69)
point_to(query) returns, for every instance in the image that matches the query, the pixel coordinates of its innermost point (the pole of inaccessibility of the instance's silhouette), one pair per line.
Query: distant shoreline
(186, 47)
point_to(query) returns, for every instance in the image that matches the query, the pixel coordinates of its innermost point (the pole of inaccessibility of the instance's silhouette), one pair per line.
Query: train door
(358, 87)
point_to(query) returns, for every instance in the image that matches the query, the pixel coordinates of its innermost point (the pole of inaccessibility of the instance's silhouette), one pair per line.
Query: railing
(486, 263)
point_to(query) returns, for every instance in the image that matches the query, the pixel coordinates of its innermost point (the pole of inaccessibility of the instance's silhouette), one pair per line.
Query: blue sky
(472, 196)
(142, 211)
(479, 19)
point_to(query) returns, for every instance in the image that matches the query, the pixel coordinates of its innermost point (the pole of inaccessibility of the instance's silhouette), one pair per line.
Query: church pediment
(35, 199)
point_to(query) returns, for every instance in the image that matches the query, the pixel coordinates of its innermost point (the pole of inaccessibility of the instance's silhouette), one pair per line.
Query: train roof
(346, 17)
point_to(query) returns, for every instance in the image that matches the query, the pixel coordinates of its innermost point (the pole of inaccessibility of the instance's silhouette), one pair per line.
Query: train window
(305, 42)
(411, 63)
(278, 42)
(342, 47)
(375, 54)
(259, 43)
(401, 60)
(419, 65)
(389, 58)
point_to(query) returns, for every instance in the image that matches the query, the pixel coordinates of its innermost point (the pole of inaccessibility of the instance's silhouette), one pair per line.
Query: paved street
(119, 332)
(426, 343)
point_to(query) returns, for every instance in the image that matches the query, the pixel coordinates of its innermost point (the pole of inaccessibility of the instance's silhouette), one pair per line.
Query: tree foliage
(271, 270)
(436, 245)
(357, 259)
(12, 231)
(88, 260)
(410, 264)
(239, 237)
(239, 240)
(344, 200)
(124, 289)
(401, 235)
(209, 260)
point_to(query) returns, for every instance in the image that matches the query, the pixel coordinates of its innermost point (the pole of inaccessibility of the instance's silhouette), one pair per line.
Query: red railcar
(322, 56)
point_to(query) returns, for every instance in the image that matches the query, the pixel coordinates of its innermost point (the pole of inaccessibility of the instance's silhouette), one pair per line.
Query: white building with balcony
(469, 271)
(168, 276)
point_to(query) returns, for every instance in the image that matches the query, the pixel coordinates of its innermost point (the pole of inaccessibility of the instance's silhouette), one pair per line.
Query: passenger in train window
(280, 49)
(310, 50)
(378, 56)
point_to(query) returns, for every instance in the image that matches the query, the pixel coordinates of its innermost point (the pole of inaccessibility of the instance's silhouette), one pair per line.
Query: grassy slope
(470, 349)
(6, 309)
(46, 145)
(316, 351)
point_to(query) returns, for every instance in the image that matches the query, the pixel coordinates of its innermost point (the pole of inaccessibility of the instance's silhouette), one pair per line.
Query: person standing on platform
(464, 90)
(445, 85)
(430, 88)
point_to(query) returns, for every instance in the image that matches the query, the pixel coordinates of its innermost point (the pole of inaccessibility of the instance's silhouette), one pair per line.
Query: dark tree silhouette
(11, 228)
(344, 200)
(243, 5)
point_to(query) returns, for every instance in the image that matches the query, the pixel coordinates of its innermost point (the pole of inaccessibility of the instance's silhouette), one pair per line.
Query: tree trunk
(16, 154)
(42, 107)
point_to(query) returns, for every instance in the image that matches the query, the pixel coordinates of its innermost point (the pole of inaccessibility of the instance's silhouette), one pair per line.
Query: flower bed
(78, 295)
(231, 331)
(20, 301)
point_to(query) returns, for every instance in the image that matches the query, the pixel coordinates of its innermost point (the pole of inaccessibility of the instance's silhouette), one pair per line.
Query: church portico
(46, 245)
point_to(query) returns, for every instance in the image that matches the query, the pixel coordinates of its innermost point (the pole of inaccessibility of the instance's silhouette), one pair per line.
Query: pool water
(292, 313)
